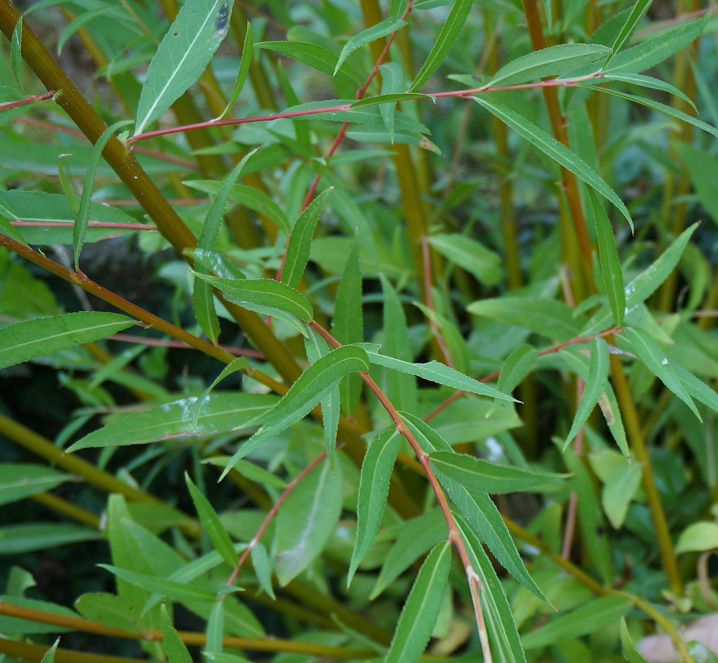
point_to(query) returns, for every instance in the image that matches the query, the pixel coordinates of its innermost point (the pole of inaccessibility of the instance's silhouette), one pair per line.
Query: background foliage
(357, 330)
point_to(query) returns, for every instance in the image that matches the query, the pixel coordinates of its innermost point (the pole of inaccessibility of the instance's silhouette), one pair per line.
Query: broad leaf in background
(20, 480)
(28, 340)
(300, 241)
(244, 64)
(481, 476)
(619, 491)
(306, 519)
(554, 149)
(552, 61)
(182, 56)
(313, 385)
(446, 39)
(700, 165)
(473, 256)
(376, 472)
(377, 31)
(421, 608)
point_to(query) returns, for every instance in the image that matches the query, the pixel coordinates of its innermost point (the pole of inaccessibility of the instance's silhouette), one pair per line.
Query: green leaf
(658, 48)
(16, 539)
(700, 165)
(594, 386)
(28, 340)
(638, 11)
(347, 324)
(169, 588)
(20, 480)
(619, 491)
(481, 476)
(49, 656)
(376, 472)
(108, 609)
(435, 371)
(629, 651)
(220, 413)
(649, 352)
(264, 292)
(552, 61)
(417, 537)
(446, 39)
(202, 297)
(244, 64)
(649, 82)
(83, 212)
(6, 227)
(262, 568)
(215, 630)
(697, 388)
(235, 365)
(698, 537)
(307, 519)
(548, 317)
(16, 53)
(471, 255)
(182, 56)
(610, 263)
(554, 150)
(174, 648)
(315, 56)
(313, 385)
(421, 608)
(517, 366)
(212, 524)
(589, 618)
(377, 31)
(300, 241)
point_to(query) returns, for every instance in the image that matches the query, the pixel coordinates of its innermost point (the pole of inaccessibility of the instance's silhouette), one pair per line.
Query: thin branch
(45, 96)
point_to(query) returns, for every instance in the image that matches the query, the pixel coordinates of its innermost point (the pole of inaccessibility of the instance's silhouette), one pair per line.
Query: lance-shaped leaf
(446, 39)
(554, 150)
(215, 630)
(649, 82)
(376, 472)
(311, 386)
(650, 353)
(473, 256)
(262, 568)
(30, 339)
(421, 609)
(212, 524)
(610, 263)
(220, 413)
(697, 388)
(244, 64)
(377, 31)
(306, 519)
(202, 297)
(182, 56)
(300, 241)
(477, 475)
(83, 213)
(435, 371)
(634, 18)
(268, 293)
(235, 365)
(516, 367)
(17, 539)
(175, 650)
(20, 480)
(6, 227)
(619, 491)
(552, 61)
(594, 387)
(49, 656)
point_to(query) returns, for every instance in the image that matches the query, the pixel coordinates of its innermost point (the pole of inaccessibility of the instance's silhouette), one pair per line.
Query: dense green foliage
(356, 330)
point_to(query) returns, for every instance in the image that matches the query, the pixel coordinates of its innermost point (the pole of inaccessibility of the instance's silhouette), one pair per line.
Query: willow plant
(445, 266)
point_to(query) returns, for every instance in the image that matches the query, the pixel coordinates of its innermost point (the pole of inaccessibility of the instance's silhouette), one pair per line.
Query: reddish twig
(45, 96)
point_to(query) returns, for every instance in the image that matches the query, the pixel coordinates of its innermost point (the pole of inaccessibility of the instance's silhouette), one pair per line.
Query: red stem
(45, 96)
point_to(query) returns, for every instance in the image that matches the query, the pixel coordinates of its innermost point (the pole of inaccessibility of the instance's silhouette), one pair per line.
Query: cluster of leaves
(472, 416)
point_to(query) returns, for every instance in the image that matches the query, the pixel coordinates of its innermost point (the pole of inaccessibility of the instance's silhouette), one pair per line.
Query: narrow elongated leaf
(446, 39)
(28, 340)
(315, 56)
(435, 371)
(547, 317)
(317, 347)
(49, 656)
(16, 53)
(235, 365)
(262, 568)
(619, 491)
(516, 367)
(650, 353)
(244, 64)
(377, 31)
(477, 475)
(589, 618)
(83, 213)
(20, 480)
(649, 82)
(6, 228)
(182, 56)
(220, 413)
(421, 609)
(473, 256)
(638, 11)
(373, 490)
(697, 388)
(555, 150)
(174, 648)
(215, 629)
(306, 519)
(212, 524)
(610, 263)
(700, 165)
(552, 61)
(313, 385)
(169, 588)
(300, 241)
(594, 387)
(17, 539)
(264, 292)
